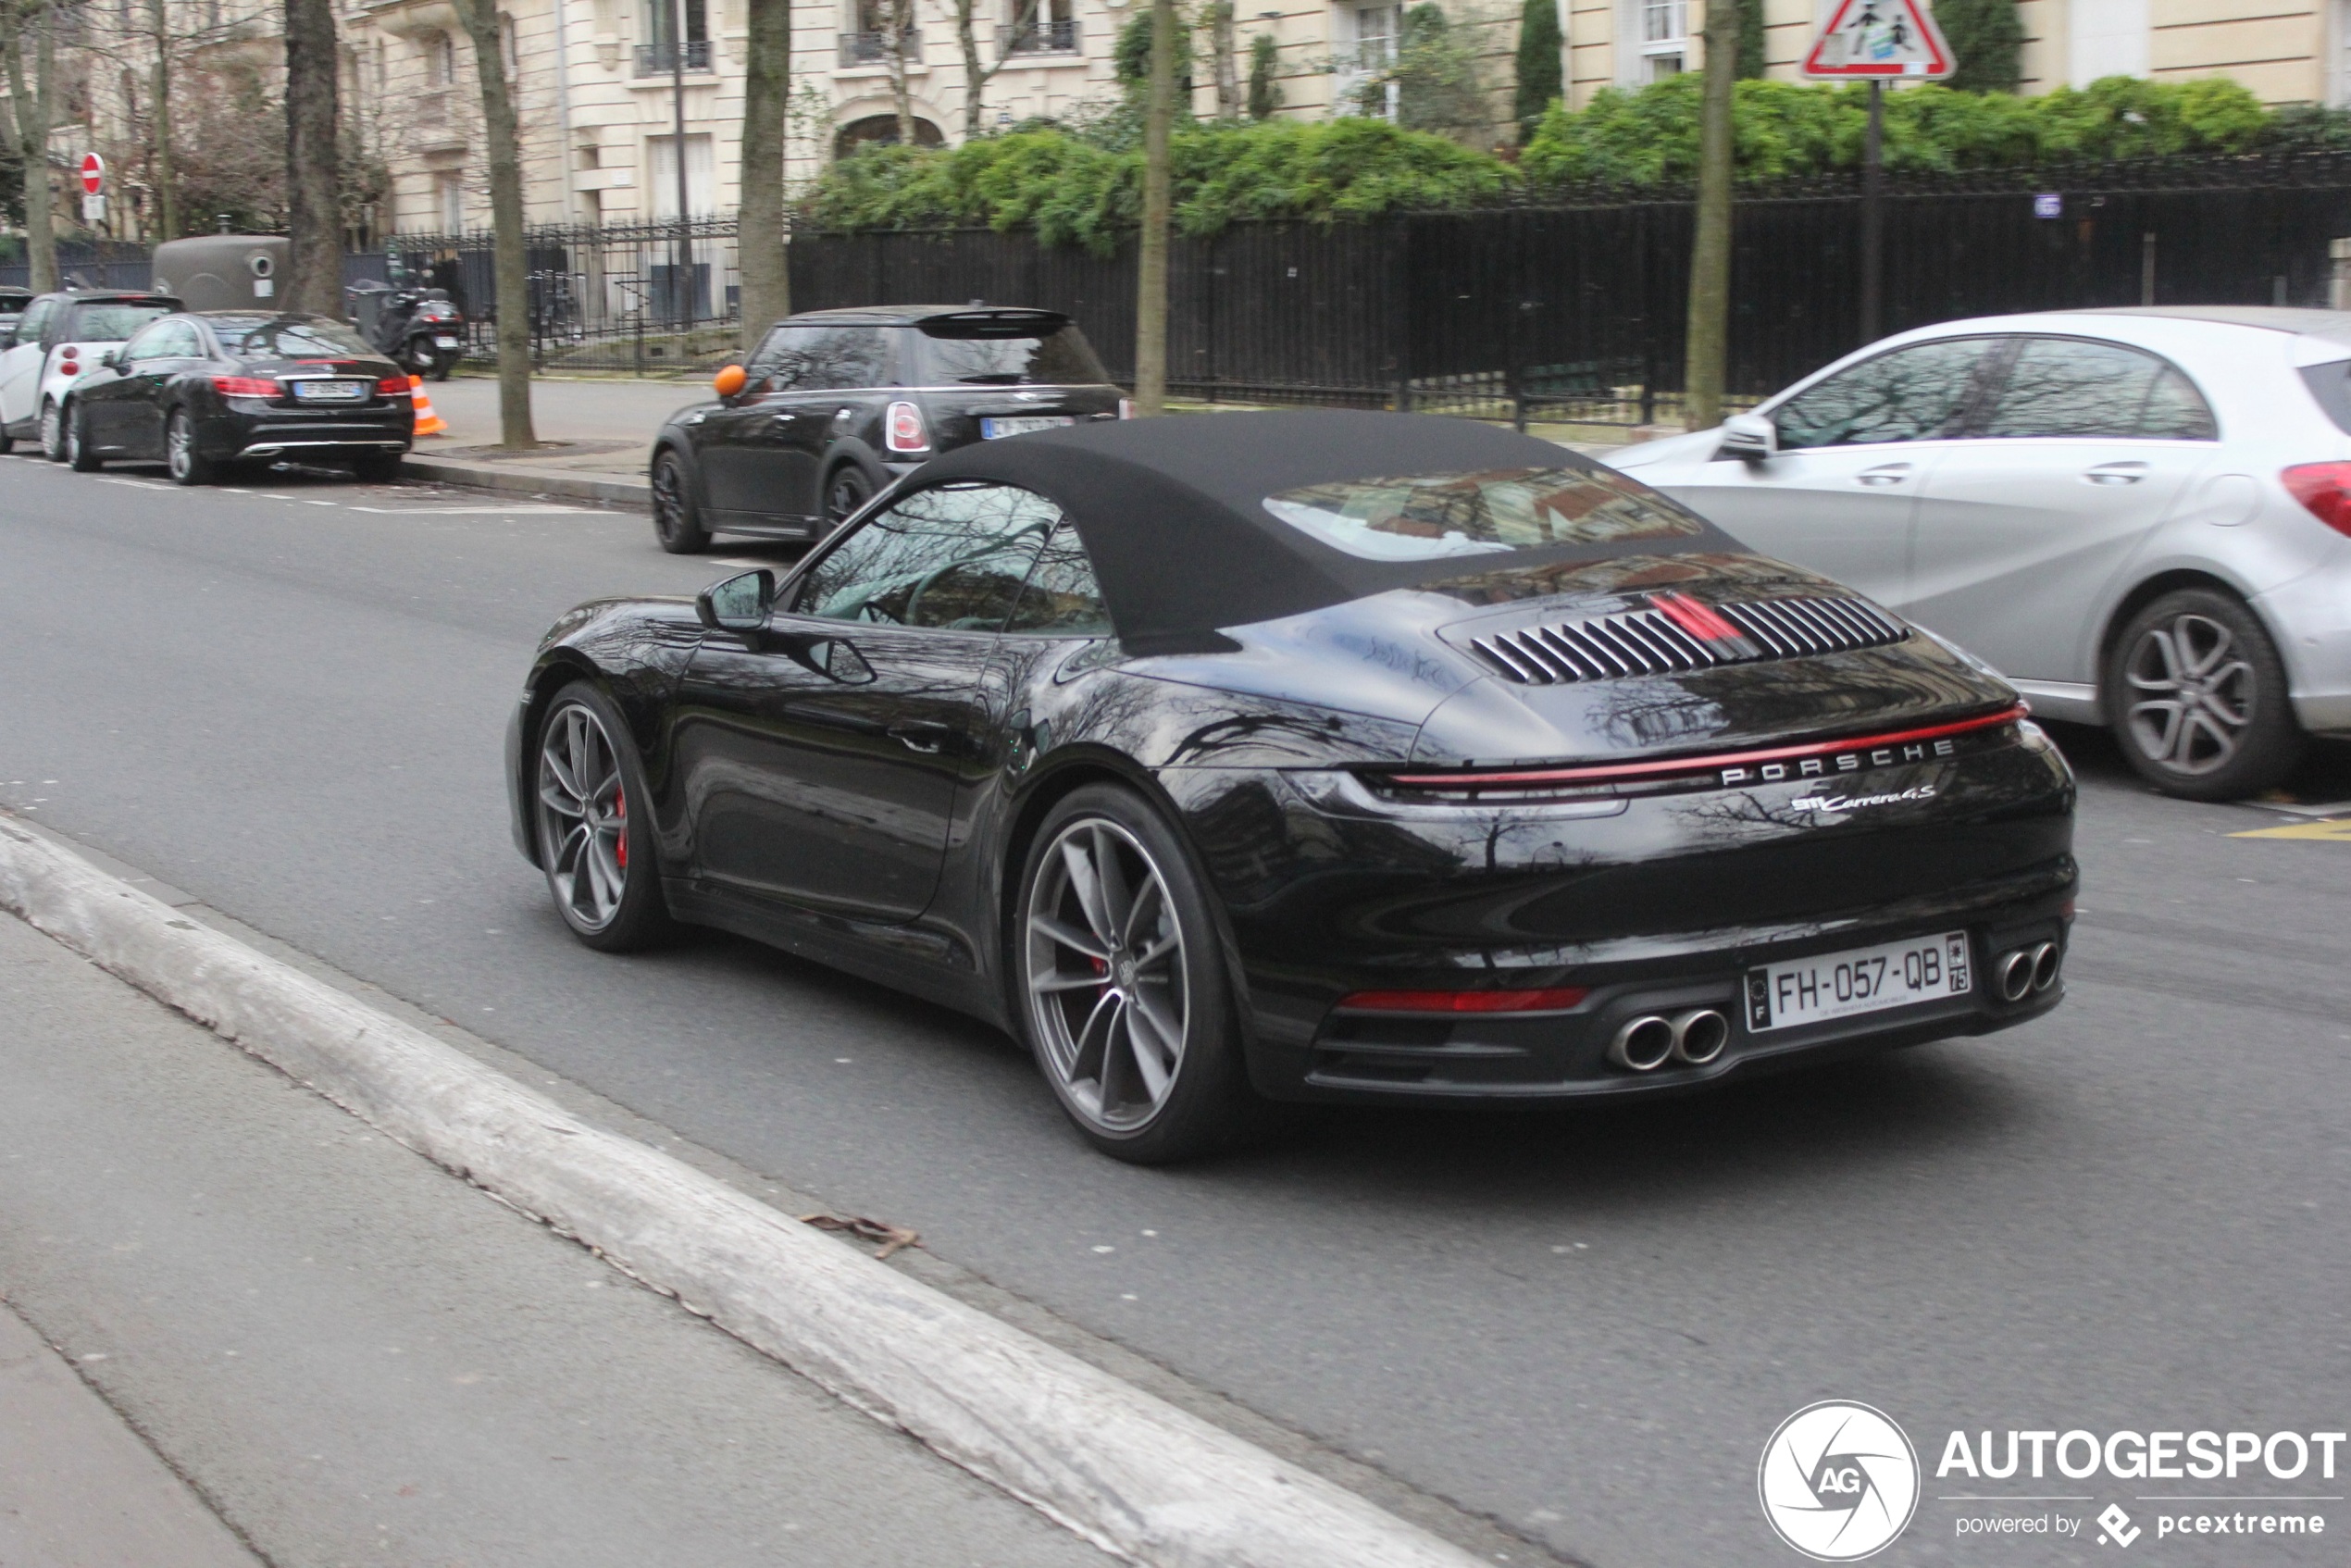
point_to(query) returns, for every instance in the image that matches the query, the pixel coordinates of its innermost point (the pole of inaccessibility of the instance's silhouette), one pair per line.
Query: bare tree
(1151, 294)
(161, 175)
(1222, 62)
(763, 262)
(976, 78)
(1710, 328)
(898, 39)
(482, 24)
(33, 114)
(313, 198)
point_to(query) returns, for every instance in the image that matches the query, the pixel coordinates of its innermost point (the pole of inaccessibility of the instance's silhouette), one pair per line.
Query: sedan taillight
(245, 386)
(2324, 490)
(906, 428)
(393, 386)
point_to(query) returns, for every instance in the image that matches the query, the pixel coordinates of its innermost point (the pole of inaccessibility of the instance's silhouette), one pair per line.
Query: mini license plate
(1866, 979)
(445, 343)
(991, 430)
(329, 391)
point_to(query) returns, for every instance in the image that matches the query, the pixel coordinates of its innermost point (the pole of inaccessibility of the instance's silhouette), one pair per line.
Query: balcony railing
(661, 59)
(873, 48)
(1035, 37)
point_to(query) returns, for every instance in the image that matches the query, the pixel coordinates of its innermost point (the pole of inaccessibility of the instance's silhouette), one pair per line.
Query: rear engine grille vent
(1679, 633)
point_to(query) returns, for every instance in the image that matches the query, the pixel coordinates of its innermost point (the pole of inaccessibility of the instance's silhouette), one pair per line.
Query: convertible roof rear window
(1425, 517)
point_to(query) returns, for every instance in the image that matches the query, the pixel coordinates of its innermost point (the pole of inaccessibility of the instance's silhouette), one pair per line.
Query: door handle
(1883, 474)
(783, 418)
(2116, 473)
(918, 735)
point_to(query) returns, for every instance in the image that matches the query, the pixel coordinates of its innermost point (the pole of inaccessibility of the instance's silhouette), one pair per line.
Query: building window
(449, 201)
(660, 176)
(1665, 38)
(441, 60)
(658, 55)
(1372, 34)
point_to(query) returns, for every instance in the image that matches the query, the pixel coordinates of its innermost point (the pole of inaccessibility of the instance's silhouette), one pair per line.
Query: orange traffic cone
(428, 422)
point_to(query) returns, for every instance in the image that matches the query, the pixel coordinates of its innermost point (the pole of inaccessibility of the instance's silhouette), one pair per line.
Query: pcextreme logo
(1839, 1481)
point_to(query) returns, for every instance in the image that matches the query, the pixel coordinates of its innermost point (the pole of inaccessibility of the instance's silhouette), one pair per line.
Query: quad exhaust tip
(1647, 1042)
(2027, 970)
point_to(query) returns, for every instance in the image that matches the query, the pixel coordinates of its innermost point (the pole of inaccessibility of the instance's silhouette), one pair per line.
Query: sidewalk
(349, 1354)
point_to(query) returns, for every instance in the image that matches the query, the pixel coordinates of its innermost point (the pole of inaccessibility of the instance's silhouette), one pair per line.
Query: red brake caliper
(620, 811)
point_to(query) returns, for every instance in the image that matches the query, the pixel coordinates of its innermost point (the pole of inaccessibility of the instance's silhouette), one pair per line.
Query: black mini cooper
(837, 403)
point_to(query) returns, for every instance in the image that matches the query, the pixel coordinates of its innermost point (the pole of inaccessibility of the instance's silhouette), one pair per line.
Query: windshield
(288, 337)
(1424, 516)
(112, 323)
(1061, 358)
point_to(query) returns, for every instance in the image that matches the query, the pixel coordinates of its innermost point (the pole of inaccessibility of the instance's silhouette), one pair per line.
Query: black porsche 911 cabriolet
(1313, 756)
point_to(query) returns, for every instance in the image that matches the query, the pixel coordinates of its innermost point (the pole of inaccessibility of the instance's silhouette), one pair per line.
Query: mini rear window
(1426, 516)
(977, 352)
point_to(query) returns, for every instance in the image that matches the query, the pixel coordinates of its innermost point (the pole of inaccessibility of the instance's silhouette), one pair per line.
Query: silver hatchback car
(2141, 518)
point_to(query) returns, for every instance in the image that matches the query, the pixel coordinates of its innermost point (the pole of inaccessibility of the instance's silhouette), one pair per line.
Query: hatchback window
(2073, 387)
(960, 352)
(1062, 598)
(36, 316)
(1422, 516)
(953, 556)
(110, 323)
(1915, 393)
(816, 358)
(289, 337)
(2330, 384)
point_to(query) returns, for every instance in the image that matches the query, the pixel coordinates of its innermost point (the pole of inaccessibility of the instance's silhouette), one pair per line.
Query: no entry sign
(94, 174)
(1869, 39)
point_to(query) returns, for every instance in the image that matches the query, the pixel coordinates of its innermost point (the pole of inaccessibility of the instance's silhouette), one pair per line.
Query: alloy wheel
(180, 447)
(848, 492)
(52, 433)
(583, 817)
(1109, 986)
(2192, 693)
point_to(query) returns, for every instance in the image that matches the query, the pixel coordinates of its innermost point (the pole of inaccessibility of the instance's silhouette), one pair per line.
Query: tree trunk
(976, 78)
(1151, 293)
(314, 200)
(759, 247)
(1703, 372)
(165, 177)
(33, 138)
(1220, 49)
(512, 266)
(900, 16)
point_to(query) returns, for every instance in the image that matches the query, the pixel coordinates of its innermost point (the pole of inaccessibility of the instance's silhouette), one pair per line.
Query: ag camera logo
(1839, 1481)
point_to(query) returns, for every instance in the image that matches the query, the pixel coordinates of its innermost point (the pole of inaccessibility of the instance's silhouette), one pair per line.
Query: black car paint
(762, 463)
(127, 410)
(1267, 759)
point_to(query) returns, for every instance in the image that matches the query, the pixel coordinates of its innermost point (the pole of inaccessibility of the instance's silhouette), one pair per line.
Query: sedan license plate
(991, 430)
(445, 343)
(329, 392)
(1866, 979)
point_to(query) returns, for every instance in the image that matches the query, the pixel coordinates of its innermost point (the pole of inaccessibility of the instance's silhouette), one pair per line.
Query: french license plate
(991, 430)
(329, 391)
(1865, 980)
(445, 343)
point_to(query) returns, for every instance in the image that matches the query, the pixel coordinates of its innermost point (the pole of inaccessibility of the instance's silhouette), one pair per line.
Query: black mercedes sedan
(210, 391)
(1318, 756)
(837, 404)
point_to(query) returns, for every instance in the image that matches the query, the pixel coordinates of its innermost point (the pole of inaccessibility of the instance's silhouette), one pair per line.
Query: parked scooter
(422, 329)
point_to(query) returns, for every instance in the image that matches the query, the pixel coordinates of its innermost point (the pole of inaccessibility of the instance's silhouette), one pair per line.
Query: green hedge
(1073, 189)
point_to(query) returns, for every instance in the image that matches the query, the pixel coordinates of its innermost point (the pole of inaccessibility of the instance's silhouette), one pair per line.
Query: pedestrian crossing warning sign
(1880, 38)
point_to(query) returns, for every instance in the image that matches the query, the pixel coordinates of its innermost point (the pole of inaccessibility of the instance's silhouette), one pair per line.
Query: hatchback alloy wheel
(583, 818)
(2191, 694)
(677, 523)
(849, 490)
(53, 432)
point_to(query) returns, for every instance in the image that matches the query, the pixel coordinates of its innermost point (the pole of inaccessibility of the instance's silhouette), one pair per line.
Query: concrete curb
(1129, 1473)
(527, 481)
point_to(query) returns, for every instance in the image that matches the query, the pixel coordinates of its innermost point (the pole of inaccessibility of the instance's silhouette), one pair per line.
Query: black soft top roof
(1172, 510)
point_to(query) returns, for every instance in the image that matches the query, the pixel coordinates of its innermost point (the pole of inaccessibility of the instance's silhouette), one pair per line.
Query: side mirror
(1748, 437)
(109, 358)
(739, 603)
(730, 380)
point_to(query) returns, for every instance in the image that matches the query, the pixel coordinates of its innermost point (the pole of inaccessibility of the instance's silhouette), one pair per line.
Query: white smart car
(60, 340)
(2139, 517)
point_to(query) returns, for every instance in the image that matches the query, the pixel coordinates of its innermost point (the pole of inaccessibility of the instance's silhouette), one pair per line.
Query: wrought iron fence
(661, 59)
(89, 264)
(873, 48)
(1033, 36)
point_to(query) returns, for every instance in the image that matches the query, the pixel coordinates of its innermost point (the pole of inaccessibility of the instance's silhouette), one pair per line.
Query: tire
(848, 490)
(2197, 697)
(80, 455)
(676, 515)
(584, 774)
(376, 467)
(53, 432)
(441, 365)
(1126, 1090)
(187, 465)
(7, 443)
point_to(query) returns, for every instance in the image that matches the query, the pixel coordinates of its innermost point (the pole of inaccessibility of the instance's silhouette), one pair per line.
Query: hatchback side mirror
(1748, 437)
(739, 603)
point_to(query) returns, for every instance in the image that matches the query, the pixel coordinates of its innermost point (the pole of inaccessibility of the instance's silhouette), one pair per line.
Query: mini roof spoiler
(993, 323)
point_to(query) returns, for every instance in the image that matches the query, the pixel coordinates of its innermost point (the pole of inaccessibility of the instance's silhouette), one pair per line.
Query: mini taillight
(393, 386)
(1555, 1000)
(245, 386)
(2324, 490)
(906, 432)
(1126, 408)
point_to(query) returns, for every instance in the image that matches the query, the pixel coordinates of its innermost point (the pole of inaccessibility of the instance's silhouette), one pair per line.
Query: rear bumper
(284, 432)
(2310, 617)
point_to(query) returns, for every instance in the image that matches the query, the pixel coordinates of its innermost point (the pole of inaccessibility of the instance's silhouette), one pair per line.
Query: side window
(2071, 387)
(1915, 393)
(36, 320)
(165, 339)
(1061, 598)
(831, 358)
(952, 557)
(775, 362)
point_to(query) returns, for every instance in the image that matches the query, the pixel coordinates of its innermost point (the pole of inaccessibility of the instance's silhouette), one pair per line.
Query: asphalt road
(1582, 1323)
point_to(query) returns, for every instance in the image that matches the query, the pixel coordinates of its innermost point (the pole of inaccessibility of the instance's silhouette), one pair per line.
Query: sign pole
(1873, 217)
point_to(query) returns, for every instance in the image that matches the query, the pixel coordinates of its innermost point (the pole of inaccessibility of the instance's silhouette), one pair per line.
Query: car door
(20, 365)
(820, 757)
(2087, 446)
(1853, 451)
(135, 415)
(761, 457)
